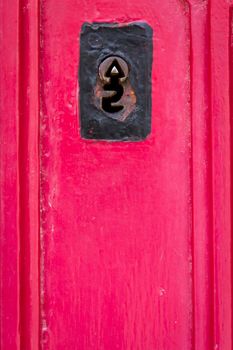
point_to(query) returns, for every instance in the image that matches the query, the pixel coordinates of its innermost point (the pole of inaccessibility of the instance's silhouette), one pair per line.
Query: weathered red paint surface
(19, 177)
(123, 222)
(9, 269)
(135, 238)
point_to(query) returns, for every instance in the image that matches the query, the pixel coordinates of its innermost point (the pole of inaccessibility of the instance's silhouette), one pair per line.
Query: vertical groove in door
(28, 165)
(201, 175)
(221, 156)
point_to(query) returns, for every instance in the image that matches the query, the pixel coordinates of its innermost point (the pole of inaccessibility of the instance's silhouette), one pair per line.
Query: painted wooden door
(116, 245)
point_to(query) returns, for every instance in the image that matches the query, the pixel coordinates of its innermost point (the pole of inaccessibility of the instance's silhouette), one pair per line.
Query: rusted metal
(128, 99)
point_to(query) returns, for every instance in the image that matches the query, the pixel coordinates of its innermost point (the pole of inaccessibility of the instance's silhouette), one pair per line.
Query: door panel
(116, 216)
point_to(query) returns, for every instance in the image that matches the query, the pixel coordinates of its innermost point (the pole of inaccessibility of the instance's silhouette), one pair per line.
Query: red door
(113, 244)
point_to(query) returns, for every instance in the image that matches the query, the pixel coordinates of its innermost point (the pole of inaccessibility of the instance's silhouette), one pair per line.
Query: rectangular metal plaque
(115, 81)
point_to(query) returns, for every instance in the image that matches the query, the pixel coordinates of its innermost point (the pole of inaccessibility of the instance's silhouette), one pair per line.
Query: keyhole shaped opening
(115, 73)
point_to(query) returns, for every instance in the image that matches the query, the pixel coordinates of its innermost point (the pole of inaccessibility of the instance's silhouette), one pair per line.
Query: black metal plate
(132, 42)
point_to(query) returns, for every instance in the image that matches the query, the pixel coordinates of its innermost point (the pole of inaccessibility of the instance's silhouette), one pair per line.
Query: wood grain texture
(135, 246)
(9, 234)
(221, 153)
(117, 219)
(28, 167)
(201, 174)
